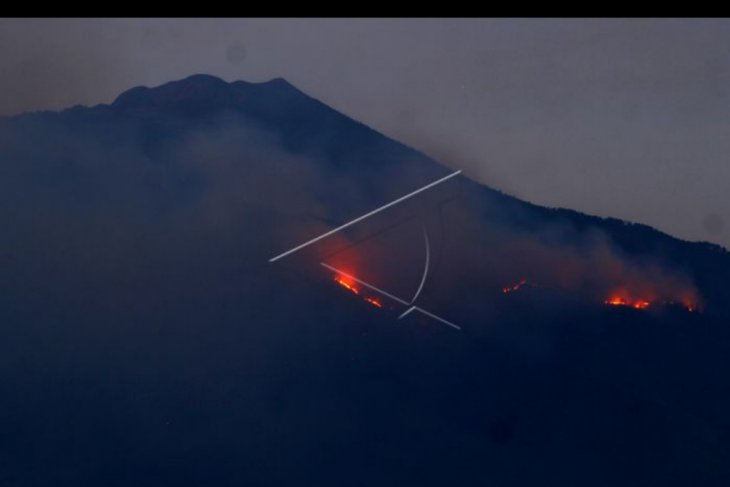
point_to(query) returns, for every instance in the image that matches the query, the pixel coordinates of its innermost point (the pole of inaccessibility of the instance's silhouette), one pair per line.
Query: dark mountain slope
(146, 340)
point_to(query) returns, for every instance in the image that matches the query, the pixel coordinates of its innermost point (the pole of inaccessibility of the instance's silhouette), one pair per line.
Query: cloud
(559, 112)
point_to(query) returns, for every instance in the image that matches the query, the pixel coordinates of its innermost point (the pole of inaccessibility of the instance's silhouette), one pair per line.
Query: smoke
(106, 216)
(93, 200)
(482, 254)
(126, 211)
(474, 258)
(138, 307)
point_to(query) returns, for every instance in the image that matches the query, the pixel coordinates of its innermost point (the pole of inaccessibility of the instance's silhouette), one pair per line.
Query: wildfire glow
(621, 301)
(350, 285)
(374, 302)
(514, 288)
(641, 299)
(347, 284)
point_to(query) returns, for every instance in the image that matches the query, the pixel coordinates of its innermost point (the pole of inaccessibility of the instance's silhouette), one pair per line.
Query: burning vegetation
(634, 303)
(515, 287)
(374, 301)
(521, 284)
(623, 297)
(347, 283)
(351, 286)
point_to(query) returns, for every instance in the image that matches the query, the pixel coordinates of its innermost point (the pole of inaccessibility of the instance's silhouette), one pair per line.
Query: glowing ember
(347, 284)
(374, 302)
(616, 302)
(514, 288)
(622, 301)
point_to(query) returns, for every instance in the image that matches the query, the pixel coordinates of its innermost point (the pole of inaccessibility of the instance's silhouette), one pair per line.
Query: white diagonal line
(437, 318)
(388, 295)
(406, 312)
(366, 215)
(384, 293)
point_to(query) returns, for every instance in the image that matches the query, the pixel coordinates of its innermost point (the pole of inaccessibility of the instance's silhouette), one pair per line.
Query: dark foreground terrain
(145, 339)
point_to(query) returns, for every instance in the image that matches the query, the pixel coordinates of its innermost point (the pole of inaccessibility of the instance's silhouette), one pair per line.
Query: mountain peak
(280, 82)
(200, 78)
(196, 93)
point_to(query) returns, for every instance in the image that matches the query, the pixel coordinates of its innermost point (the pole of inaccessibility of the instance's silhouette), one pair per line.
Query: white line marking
(388, 295)
(425, 269)
(437, 318)
(366, 215)
(384, 293)
(405, 313)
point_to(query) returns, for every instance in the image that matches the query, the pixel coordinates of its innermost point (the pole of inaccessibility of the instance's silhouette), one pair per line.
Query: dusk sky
(623, 118)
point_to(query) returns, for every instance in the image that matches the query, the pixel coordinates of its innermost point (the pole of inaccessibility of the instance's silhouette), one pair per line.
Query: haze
(623, 118)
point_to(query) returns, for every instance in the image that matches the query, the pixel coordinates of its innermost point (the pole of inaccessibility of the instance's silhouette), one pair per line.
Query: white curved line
(425, 269)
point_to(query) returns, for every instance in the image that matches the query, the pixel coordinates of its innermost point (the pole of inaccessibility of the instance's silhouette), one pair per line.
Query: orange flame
(623, 298)
(374, 302)
(517, 286)
(348, 284)
(618, 300)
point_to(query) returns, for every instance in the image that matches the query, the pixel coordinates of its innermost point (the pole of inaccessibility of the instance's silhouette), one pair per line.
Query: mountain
(146, 339)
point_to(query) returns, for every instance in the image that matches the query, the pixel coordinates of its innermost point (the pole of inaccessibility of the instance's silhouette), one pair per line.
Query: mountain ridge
(306, 126)
(282, 84)
(202, 92)
(146, 339)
